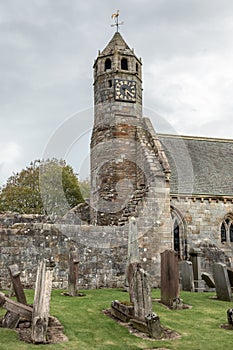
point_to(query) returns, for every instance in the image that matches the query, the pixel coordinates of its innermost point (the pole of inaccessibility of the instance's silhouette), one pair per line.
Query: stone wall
(26, 244)
(102, 251)
(202, 218)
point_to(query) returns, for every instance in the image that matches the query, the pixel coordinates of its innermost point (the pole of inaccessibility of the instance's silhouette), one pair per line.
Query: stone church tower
(118, 111)
(129, 169)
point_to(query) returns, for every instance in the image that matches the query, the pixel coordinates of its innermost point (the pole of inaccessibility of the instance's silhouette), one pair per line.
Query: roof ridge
(191, 137)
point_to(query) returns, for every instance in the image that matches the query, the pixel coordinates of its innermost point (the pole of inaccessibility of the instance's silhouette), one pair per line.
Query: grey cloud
(48, 49)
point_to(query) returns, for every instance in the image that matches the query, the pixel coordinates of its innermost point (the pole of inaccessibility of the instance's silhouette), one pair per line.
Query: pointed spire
(117, 43)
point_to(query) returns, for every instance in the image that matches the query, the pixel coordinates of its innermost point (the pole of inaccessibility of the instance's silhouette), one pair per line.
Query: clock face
(125, 90)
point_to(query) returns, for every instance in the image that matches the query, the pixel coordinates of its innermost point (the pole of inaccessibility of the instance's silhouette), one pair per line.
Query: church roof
(117, 43)
(199, 165)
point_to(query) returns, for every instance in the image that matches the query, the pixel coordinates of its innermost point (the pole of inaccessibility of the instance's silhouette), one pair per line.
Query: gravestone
(230, 317)
(230, 276)
(169, 277)
(11, 319)
(195, 258)
(209, 280)
(222, 284)
(73, 271)
(186, 273)
(41, 306)
(133, 250)
(141, 294)
(17, 286)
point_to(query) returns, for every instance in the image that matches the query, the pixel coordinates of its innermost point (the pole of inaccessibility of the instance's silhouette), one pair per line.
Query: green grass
(89, 329)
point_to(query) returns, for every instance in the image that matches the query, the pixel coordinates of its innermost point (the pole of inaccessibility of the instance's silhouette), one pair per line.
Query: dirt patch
(227, 326)
(184, 306)
(54, 334)
(168, 333)
(73, 296)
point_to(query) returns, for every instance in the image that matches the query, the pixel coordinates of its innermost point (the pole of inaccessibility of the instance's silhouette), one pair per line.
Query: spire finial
(115, 16)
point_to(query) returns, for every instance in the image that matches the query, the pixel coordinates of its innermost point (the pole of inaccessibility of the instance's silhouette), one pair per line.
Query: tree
(45, 187)
(85, 188)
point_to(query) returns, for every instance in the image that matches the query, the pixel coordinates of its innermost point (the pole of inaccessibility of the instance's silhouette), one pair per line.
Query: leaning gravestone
(222, 284)
(11, 319)
(41, 306)
(169, 277)
(186, 273)
(17, 285)
(208, 278)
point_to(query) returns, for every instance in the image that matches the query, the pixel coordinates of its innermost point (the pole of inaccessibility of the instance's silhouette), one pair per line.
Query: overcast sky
(47, 52)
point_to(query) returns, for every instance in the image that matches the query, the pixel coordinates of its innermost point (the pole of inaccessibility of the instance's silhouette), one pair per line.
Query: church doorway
(180, 244)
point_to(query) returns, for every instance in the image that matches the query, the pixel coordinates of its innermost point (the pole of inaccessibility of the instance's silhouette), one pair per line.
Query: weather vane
(115, 16)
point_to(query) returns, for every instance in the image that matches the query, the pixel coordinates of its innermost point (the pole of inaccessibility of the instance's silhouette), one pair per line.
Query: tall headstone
(186, 273)
(141, 294)
(133, 250)
(170, 289)
(41, 306)
(195, 258)
(222, 283)
(73, 271)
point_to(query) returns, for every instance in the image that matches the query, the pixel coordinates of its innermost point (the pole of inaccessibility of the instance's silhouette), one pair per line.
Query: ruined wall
(102, 252)
(103, 249)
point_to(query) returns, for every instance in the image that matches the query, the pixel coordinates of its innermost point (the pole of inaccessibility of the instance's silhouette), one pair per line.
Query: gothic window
(108, 64)
(136, 67)
(179, 234)
(223, 233)
(231, 232)
(176, 234)
(227, 229)
(124, 63)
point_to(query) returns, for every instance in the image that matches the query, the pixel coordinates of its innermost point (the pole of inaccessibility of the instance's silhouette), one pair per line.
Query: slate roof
(199, 165)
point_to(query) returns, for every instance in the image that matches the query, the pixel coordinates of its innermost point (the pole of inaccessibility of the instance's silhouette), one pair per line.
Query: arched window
(108, 64)
(227, 229)
(136, 67)
(176, 235)
(223, 233)
(124, 63)
(179, 232)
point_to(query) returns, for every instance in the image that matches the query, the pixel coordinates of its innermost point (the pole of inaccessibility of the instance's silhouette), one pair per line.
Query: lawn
(89, 329)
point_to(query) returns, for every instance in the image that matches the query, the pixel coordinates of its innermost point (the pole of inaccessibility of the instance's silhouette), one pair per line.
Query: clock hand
(129, 92)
